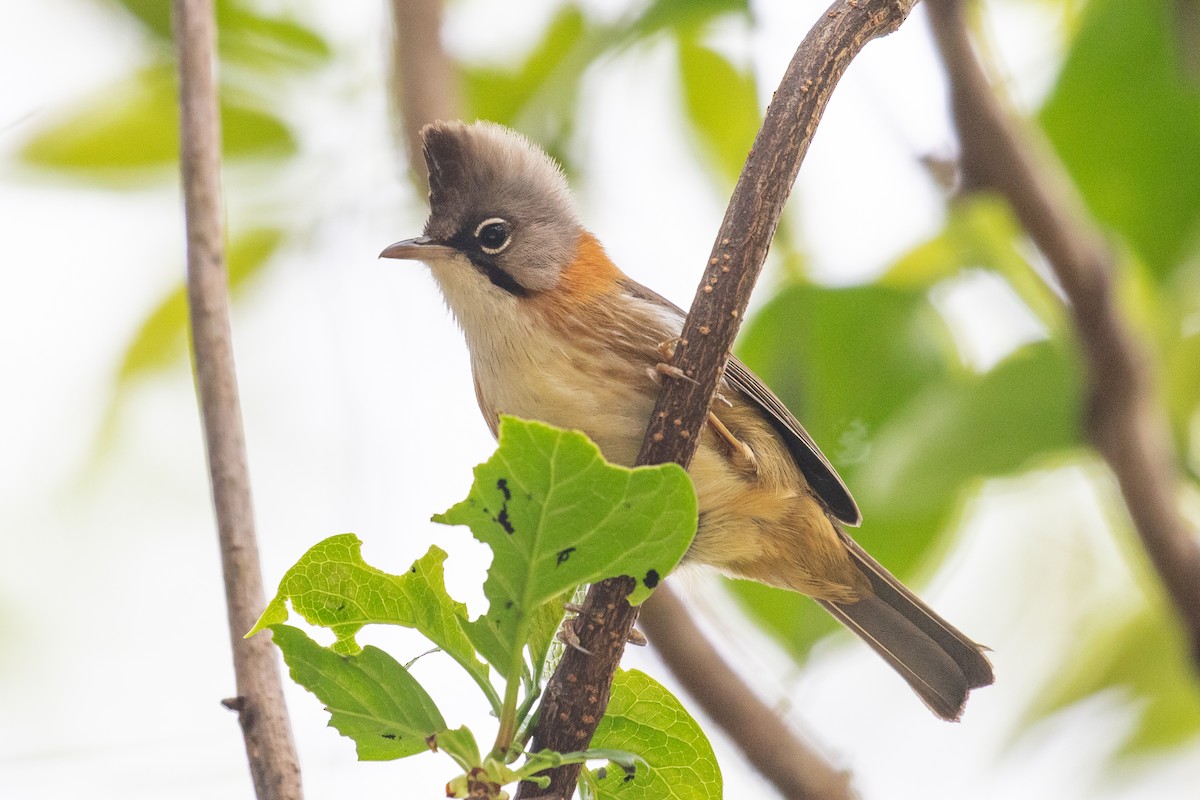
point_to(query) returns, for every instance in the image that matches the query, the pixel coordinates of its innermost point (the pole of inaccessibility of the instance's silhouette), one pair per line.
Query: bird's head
(500, 212)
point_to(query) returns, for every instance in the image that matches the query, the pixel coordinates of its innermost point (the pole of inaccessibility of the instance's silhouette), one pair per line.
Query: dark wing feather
(819, 473)
(817, 470)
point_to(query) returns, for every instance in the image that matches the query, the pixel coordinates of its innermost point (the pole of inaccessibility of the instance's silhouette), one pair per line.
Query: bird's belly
(577, 390)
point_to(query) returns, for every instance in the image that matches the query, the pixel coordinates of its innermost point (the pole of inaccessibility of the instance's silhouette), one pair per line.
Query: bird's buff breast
(572, 383)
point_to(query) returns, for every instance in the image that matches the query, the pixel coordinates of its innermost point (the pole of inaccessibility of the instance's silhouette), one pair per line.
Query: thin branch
(1124, 420)
(424, 77)
(260, 706)
(577, 694)
(782, 757)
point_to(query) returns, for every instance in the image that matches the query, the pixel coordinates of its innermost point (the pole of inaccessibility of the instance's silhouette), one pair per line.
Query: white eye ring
(503, 226)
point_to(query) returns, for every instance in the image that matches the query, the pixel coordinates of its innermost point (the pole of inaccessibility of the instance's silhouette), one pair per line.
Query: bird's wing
(820, 474)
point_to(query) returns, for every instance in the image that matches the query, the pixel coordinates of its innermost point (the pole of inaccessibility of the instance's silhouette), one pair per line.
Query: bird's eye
(493, 235)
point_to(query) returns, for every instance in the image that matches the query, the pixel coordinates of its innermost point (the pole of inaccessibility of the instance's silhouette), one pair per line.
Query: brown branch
(782, 757)
(1124, 419)
(424, 77)
(260, 706)
(577, 694)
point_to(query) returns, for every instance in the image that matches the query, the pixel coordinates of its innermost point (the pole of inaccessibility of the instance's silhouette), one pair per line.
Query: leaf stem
(508, 714)
(526, 721)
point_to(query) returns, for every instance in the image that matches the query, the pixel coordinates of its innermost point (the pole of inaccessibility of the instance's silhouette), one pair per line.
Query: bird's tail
(938, 661)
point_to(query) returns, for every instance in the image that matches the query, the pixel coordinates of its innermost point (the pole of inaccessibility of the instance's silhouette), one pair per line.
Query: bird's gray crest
(484, 170)
(490, 168)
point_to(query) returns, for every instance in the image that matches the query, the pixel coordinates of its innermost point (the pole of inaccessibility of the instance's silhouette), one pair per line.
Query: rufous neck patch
(590, 273)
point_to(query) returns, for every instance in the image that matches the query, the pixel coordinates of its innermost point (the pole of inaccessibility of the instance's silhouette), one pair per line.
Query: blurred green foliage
(130, 131)
(1141, 656)
(540, 95)
(872, 370)
(132, 128)
(1125, 117)
(160, 341)
(126, 136)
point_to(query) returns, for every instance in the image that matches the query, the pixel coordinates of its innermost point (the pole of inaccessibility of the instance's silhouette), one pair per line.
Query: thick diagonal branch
(577, 694)
(260, 706)
(1125, 420)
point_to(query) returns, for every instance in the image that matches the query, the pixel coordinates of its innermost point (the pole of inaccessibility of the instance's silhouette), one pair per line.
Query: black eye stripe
(466, 241)
(485, 264)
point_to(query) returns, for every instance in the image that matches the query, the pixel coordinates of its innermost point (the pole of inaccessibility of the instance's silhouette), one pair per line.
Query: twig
(782, 757)
(424, 76)
(260, 706)
(577, 694)
(1124, 418)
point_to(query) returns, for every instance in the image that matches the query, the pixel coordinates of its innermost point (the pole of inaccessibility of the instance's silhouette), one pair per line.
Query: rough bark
(259, 703)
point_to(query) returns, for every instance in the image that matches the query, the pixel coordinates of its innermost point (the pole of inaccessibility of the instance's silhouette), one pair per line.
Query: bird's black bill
(418, 249)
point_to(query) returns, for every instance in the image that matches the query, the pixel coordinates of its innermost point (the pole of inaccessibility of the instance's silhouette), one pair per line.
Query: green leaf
(551, 759)
(721, 102)
(155, 15)
(333, 587)
(1028, 406)
(645, 719)
(244, 36)
(460, 745)
(370, 697)
(1174, 313)
(980, 232)
(538, 95)
(684, 15)
(1146, 655)
(556, 515)
(132, 127)
(552, 69)
(161, 341)
(266, 42)
(1125, 118)
(827, 353)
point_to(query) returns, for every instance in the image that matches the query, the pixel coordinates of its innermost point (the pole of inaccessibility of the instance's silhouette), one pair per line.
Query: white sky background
(360, 417)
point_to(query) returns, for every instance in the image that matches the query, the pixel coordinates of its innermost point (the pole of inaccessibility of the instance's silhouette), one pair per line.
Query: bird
(556, 332)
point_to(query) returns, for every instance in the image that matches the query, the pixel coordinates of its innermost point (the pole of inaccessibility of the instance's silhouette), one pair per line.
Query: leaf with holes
(556, 515)
(333, 587)
(645, 719)
(370, 697)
